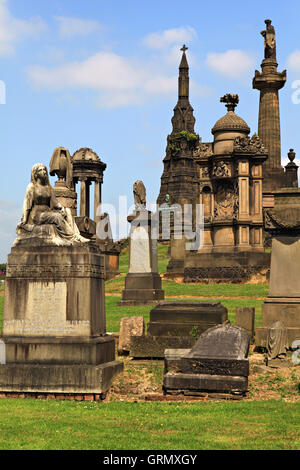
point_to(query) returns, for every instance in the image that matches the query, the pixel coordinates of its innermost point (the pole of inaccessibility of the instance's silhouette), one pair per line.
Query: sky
(103, 75)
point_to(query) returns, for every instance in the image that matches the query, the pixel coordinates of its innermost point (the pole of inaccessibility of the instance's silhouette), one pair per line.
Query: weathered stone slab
(202, 382)
(173, 359)
(245, 318)
(155, 346)
(215, 366)
(130, 326)
(58, 378)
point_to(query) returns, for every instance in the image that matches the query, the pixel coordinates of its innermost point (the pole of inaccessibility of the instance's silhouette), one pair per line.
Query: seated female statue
(41, 208)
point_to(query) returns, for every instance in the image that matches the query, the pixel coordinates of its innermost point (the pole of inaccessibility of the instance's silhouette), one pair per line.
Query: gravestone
(217, 363)
(277, 345)
(283, 302)
(129, 327)
(54, 321)
(176, 325)
(245, 318)
(142, 283)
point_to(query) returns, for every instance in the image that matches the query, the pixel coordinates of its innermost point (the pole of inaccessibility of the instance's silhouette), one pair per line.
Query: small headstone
(130, 326)
(244, 317)
(2, 353)
(277, 345)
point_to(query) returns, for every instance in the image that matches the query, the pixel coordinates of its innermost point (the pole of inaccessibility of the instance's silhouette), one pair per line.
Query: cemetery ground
(136, 415)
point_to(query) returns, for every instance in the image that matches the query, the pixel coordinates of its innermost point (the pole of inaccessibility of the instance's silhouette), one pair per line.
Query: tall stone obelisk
(268, 82)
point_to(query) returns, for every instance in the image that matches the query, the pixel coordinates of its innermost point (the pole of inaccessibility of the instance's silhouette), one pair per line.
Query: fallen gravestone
(217, 363)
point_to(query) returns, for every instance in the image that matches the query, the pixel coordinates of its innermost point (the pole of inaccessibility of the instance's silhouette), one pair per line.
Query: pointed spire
(183, 118)
(183, 64)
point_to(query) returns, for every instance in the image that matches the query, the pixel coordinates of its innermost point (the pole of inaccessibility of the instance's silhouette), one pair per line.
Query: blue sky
(103, 75)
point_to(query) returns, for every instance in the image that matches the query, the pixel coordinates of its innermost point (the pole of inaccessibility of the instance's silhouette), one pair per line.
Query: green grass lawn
(40, 424)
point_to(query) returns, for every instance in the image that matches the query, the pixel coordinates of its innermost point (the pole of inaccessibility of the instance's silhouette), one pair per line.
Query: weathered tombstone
(245, 317)
(129, 327)
(217, 363)
(176, 325)
(54, 311)
(142, 283)
(283, 304)
(277, 345)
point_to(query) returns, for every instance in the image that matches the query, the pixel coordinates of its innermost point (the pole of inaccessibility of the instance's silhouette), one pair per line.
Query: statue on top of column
(270, 40)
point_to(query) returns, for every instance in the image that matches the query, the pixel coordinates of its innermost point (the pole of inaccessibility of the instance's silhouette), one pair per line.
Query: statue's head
(39, 171)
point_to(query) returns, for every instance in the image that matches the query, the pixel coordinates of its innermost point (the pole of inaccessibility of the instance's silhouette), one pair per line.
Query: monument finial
(184, 48)
(230, 100)
(270, 40)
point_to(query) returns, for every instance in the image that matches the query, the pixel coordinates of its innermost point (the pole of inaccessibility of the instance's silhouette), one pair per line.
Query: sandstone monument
(283, 301)
(233, 177)
(142, 283)
(54, 311)
(175, 325)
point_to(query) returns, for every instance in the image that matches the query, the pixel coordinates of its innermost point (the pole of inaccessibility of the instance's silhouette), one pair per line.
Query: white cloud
(14, 30)
(164, 39)
(69, 27)
(233, 63)
(119, 81)
(293, 60)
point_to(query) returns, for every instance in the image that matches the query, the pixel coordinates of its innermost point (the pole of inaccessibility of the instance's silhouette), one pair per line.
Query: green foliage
(188, 135)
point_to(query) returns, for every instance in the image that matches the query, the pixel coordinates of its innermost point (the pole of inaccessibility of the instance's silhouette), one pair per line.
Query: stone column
(268, 82)
(87, 197)
(97, 199)
(83, 201)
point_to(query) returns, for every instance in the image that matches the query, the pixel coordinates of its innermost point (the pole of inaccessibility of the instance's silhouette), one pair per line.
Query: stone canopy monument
(54, 312)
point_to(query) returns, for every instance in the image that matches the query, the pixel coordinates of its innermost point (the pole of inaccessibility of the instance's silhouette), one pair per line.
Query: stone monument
(175, 325)
(269, 81)
(283, 302)
(218, 362)
(54, 310)
(142, 283)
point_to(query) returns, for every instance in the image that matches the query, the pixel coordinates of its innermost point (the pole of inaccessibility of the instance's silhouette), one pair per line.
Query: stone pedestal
(54, 321)
(176, 325)
(216, 363)
(142, 283)
(283, 302)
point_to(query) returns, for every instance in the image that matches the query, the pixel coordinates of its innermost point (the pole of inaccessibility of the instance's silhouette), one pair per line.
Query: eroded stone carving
(139, 192)
(253, 145)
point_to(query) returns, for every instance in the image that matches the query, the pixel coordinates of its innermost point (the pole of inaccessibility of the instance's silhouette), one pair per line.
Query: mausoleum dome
(231, 122)
(228, 127)
(85, 154)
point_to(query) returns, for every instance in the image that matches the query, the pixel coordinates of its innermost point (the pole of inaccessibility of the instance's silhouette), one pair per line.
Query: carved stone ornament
(253, 145)
(226, 202)
(283, 219)
(220, 170)
(203, 150)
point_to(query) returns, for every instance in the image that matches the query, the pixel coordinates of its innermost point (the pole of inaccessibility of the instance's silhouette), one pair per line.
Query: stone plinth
(176, 325)
(226, 266)
(283, 302)
(54, 321)
(142, 283)
(216, 363)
